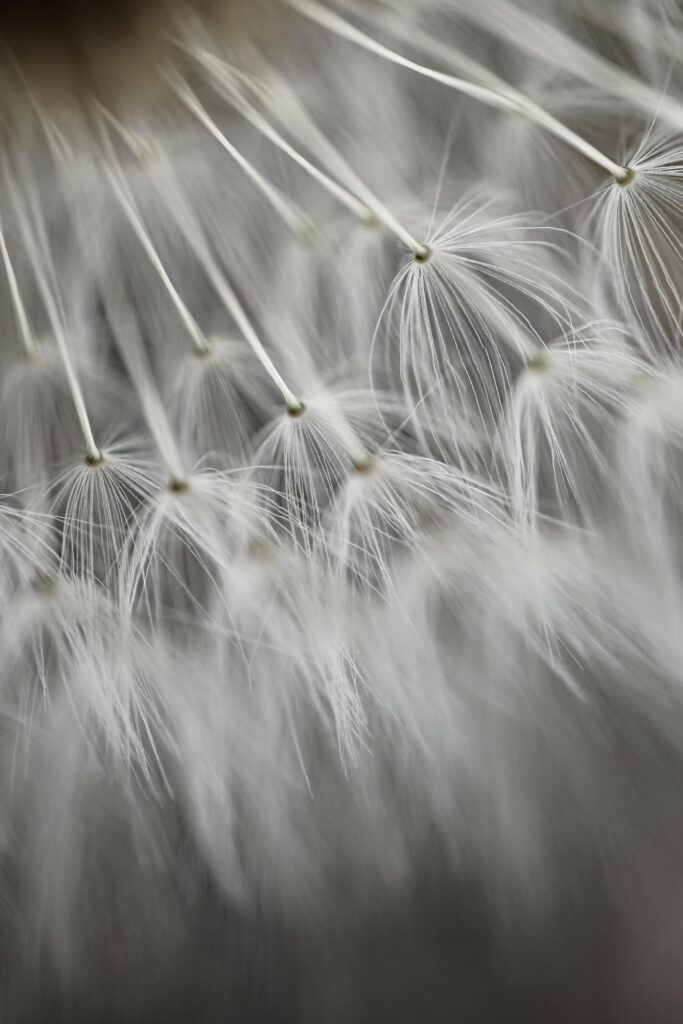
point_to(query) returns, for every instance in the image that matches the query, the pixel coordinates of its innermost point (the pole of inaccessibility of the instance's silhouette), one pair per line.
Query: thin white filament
(330, 155)
(57, 324)
(231, 92)
(138, 146)
(510, 101)
(132, 352)
(187, 223)
(543, 40)
(286, 209)
(127, 205)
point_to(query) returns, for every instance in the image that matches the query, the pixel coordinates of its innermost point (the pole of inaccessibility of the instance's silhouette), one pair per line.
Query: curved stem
(502, 100)
(228, 88)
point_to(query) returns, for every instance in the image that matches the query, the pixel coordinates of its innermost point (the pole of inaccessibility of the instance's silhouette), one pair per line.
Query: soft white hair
(341, 594)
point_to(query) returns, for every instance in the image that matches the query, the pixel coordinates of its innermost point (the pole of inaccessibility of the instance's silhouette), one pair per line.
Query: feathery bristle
(341, 481)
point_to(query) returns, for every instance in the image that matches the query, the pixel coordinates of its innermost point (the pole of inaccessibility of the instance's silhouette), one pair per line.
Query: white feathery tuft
(341, 527)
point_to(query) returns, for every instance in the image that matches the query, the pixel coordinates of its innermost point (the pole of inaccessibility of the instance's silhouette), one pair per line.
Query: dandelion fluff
(340, 530)
(640, 237)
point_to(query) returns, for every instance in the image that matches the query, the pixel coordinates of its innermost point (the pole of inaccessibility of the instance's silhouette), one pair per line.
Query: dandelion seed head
(341, 470)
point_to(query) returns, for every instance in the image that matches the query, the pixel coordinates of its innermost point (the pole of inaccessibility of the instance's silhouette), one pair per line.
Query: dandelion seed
(97, 502)
(340, 529)
(184, 543)
(557, 431)
(639, 228)
(221, 400)
(313, 450)
(461, 319)
(399, 501)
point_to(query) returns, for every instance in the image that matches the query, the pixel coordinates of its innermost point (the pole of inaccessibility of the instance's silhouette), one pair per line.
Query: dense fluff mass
(341, 546)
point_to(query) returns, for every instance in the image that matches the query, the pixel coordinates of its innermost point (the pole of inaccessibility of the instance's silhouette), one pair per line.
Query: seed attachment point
(178, 486)
(364, 467)
(422, 254)
(202, 351)
(627, 178)
(44, 585)
(295, 411)
(538, 363)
